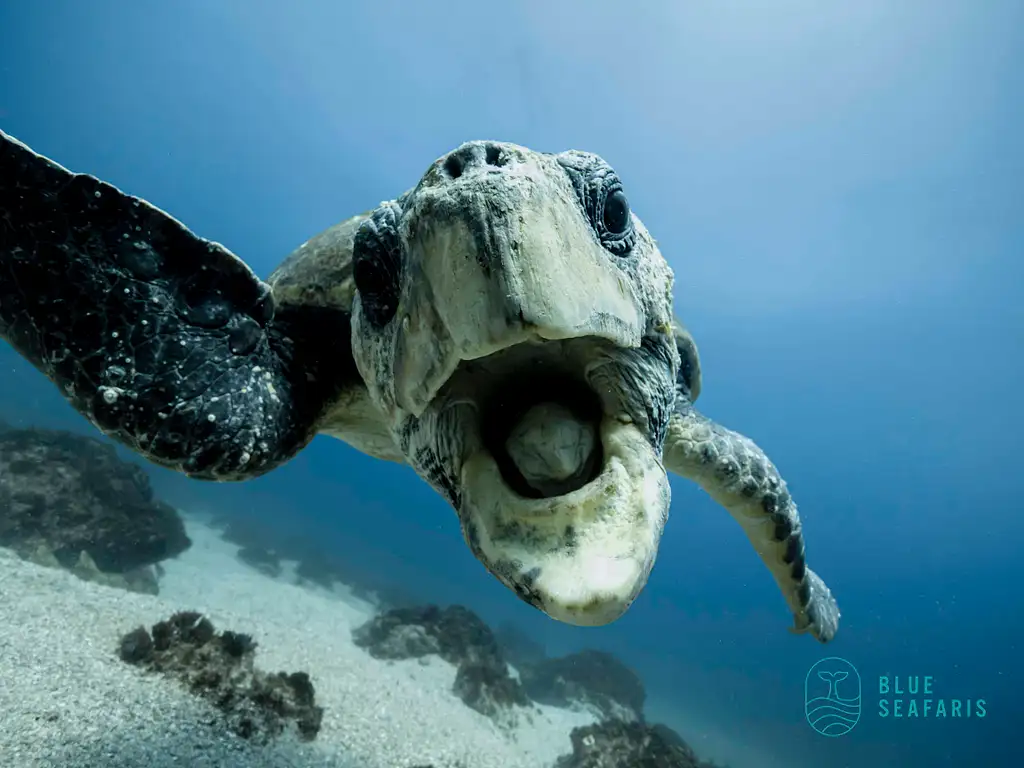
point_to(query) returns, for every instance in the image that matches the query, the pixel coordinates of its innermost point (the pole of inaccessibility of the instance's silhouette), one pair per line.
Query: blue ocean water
(839, 191)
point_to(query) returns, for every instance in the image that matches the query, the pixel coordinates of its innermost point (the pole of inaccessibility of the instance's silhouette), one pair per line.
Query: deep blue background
(839, 190)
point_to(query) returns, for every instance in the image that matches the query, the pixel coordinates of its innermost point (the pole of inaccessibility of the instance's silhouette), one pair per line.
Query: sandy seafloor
(67, 700)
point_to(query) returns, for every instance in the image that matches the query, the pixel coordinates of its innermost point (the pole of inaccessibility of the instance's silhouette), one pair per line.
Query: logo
(832, 696)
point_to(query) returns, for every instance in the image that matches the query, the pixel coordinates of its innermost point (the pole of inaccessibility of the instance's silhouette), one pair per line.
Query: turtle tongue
(553, 450)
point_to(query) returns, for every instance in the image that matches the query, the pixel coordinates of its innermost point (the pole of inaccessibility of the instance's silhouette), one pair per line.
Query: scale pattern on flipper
(165, 341)
(737, 474)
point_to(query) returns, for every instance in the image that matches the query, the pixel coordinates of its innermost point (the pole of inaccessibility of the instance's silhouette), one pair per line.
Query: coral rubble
(218, 666)
(592, 680)
(458, 636)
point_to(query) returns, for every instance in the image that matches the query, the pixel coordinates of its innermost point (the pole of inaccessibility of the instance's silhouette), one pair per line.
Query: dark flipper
(165, 341)
(737, 474)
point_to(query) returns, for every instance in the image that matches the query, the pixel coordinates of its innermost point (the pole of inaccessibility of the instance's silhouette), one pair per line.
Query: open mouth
(562, 492)
(543, 431)
(539, 419)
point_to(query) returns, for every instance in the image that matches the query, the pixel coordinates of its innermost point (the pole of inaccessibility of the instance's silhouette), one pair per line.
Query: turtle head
(513, 323)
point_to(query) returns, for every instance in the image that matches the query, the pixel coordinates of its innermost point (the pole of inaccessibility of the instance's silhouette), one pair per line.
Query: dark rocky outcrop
(458, 636)
(591, 679)
(455, 633)
(68, 500)
(218, 666)
(618, 744)
(489, 690)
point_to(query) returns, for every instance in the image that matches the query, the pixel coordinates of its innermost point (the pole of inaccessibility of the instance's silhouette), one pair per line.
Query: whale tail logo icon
(832, 696)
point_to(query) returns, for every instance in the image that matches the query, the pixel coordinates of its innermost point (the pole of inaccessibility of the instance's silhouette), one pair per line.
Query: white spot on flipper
(210, 417)
(110, 394)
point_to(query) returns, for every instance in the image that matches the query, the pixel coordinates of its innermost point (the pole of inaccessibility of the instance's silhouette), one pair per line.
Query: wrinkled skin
(505, 328)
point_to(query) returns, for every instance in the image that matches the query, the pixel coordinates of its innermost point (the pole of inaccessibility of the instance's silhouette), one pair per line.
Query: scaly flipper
(737, 474)
(165, 341)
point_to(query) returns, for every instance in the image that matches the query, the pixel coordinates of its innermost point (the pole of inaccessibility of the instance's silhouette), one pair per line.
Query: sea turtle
(505, 328)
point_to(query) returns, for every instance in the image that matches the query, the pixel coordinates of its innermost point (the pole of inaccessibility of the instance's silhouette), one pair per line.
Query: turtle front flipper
(737, 474)
(165, 341)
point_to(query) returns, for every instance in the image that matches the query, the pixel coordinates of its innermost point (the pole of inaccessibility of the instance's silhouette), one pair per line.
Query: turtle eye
(377, 265)
(615, 226)
(616, 212)
(605, 204)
